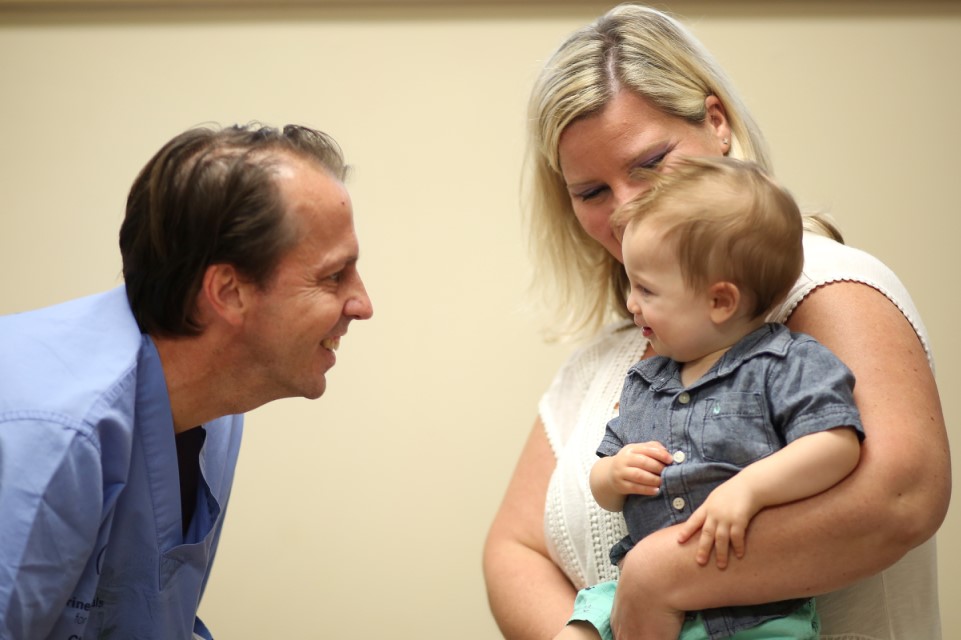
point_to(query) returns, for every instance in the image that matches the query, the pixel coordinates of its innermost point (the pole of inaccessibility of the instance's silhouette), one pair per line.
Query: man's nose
(359, 306)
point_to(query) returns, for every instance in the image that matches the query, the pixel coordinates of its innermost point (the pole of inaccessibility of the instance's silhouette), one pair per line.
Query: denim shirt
(769, 389)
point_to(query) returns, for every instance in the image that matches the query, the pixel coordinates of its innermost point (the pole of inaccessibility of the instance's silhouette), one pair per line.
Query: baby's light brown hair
(728, 221)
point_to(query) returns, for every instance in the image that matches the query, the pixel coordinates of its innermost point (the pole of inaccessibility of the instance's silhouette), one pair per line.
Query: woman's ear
(725, 299)
(717, 120)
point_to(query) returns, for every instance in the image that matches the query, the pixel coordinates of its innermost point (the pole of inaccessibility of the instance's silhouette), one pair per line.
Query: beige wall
(363, 514)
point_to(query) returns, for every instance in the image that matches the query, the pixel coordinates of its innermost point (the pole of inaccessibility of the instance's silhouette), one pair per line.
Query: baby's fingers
(691, 526)
(738, 540)
(721, 540)
(706, 542)
(655, 451)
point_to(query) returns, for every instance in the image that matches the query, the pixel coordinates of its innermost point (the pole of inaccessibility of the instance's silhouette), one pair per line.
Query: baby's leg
(578, 631)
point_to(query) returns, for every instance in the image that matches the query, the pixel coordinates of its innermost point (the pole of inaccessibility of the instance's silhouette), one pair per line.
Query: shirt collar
(770, 338)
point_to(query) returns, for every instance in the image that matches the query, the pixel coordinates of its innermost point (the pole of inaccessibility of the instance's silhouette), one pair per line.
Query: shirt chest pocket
(736, 429)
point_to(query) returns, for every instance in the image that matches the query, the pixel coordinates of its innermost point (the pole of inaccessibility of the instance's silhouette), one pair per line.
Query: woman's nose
(627, 192)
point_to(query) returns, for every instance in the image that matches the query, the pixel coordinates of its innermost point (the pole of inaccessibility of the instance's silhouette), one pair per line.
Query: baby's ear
(725, 298)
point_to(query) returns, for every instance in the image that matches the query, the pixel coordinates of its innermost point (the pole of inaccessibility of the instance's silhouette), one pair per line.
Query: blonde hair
(727, 220)
(653, 55)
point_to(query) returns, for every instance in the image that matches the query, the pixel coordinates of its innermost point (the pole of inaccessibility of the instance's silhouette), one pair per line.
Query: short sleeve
(814, 392)
(612, 442)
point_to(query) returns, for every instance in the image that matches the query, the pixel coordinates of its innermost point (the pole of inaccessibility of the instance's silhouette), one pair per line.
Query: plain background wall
(363, 514)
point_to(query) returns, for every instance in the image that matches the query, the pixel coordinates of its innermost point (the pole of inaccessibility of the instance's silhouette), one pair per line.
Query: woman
(635, 89)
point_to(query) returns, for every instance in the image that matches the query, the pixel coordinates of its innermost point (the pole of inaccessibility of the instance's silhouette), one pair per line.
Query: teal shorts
(593, 606)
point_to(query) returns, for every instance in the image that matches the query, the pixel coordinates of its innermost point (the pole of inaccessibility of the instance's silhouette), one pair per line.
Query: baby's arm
(635, 469)
(805, 467)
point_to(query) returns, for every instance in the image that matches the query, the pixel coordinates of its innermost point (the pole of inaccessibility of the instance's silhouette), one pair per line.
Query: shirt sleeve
(815, 393)
(612, 442)
(50, 510)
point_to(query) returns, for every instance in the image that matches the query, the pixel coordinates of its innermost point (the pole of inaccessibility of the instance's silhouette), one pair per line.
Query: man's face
(295, 324)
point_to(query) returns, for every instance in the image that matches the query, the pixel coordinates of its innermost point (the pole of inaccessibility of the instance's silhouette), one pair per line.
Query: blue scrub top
(91, 539)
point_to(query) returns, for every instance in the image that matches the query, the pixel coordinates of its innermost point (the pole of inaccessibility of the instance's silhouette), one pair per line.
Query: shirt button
(684, 398)
(678, 503)
(679, 457)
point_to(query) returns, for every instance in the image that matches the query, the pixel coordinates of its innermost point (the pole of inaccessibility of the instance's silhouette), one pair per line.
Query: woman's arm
(893, 501)
(529, 595)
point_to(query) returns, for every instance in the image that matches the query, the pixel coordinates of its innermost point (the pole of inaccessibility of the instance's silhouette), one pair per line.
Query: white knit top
(901, 603)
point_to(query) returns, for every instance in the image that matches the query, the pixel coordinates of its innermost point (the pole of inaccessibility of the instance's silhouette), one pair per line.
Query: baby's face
(671, 314)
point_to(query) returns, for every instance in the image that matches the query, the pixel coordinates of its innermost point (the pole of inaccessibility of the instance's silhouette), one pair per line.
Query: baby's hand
(636, 468)
(722, 520)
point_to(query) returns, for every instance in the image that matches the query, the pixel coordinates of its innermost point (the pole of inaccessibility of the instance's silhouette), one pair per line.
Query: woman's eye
(654, 162)
(589, 194)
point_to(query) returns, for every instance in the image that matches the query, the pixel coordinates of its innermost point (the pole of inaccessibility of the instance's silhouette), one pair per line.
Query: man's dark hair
(209, 196)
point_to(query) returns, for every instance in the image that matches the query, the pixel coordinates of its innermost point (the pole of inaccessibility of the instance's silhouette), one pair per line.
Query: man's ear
(224, 293)
(724, 298)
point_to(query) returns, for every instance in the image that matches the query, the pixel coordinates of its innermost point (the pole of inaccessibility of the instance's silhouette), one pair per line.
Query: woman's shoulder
(827, 262)
(826, 258)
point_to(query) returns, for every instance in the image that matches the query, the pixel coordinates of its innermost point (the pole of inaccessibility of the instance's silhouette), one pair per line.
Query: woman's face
(599, 153)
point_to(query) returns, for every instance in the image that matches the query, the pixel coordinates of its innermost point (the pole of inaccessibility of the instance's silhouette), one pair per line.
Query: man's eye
(333, 277)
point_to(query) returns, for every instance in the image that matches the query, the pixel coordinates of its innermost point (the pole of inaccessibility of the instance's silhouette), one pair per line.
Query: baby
(734, 414)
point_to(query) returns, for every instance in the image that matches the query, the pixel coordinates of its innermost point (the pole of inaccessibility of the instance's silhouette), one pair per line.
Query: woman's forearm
(530, 597)
(795, 550)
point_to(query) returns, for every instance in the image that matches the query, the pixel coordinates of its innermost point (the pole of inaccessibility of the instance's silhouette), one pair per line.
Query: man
(120, 412)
